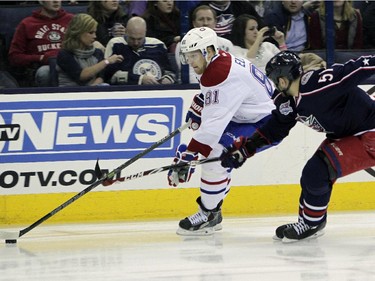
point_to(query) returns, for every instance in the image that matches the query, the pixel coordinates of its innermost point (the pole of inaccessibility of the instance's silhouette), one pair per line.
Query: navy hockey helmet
(284, 64)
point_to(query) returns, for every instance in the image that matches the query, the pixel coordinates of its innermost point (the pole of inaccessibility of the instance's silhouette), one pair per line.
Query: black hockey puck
(11, 241)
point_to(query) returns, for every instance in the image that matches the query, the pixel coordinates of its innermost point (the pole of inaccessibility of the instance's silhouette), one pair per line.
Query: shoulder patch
(305, 78)
(285, 108)
(217, 71)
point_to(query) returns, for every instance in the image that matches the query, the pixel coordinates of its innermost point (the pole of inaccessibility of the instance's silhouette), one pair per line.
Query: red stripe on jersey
(202, 148)
(214, 182)
(217, 71)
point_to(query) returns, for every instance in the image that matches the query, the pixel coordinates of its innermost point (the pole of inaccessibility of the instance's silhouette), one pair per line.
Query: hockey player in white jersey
(235, 99)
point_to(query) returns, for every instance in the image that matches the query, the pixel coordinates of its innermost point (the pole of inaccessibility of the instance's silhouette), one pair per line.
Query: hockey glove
(182, 174)
(236, 154)
(242, 148)
(194, 114)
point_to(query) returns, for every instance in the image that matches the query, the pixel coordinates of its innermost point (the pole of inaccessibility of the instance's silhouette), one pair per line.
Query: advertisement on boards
(51, 141)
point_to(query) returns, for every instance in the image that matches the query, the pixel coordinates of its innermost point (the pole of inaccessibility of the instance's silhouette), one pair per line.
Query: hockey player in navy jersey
(235, 98)
(328, 101)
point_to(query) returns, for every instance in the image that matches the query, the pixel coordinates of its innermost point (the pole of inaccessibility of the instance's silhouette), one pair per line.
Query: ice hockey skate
(299, 231)
(279, 233)
(204, 222)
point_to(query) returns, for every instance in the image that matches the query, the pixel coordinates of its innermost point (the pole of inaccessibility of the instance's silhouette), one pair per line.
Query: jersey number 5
(325, 77)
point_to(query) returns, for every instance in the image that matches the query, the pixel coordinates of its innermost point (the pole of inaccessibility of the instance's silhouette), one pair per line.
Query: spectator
(18, 2)
(79, 62)
(310, 6)
(7, 81)
(187, 6)
(368, 15)
(145, 58)
(227, 11)
(163, 22)
(136, 8)
(38, 38)
(348, 27)
(262, 6)
(249, 42)
(204, 16)
(291, 18)
(111, 19)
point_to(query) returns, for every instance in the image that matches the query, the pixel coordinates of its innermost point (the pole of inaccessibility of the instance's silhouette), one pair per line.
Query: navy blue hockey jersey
(329, 101)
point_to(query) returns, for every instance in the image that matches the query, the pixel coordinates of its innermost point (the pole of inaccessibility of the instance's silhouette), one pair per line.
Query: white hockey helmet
(198, 39)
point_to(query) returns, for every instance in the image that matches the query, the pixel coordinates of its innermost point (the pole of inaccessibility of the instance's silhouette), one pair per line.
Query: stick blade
(9, 235)
(370, 171)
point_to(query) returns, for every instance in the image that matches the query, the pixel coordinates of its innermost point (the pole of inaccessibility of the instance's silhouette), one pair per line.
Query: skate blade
(218, 227)
(314, 236)
(200, 232)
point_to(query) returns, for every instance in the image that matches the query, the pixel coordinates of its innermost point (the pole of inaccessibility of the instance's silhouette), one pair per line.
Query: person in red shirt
(38, 38)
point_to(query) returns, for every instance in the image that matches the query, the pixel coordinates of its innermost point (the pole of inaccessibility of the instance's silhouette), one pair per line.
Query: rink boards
(50, 143)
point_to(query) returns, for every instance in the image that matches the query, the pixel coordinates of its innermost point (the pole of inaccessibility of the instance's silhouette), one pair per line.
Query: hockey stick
(371, 91)
(15, 235)
(371, 171)
(162, 169)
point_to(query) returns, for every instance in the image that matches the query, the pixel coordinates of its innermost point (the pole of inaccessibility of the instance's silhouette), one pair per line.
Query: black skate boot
(204, 222)
(279, 233)
(302, 230)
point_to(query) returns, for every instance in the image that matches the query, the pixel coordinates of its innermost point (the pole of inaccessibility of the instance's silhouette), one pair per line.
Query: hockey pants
(334, 159)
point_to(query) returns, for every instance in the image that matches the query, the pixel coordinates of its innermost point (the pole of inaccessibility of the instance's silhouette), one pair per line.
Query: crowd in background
(137, 42)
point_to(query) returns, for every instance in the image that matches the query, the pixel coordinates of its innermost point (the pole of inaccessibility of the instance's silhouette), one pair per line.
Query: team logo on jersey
(285, 108)
(312, 122)
(54, 36)
(147, 67)
(224, 23)
(306, 77)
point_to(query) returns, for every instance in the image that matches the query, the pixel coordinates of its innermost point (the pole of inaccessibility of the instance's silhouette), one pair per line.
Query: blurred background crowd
(104, 43)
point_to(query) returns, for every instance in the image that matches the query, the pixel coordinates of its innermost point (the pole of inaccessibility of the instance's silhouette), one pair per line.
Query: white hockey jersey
(234, 90)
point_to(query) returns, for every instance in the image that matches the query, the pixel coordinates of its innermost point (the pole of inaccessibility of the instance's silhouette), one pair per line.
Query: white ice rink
(243, 250)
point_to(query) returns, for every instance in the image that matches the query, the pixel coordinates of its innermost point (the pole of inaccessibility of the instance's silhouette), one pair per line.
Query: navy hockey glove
(183, 174)
(194, 114)
(242, 148)
(236, 154)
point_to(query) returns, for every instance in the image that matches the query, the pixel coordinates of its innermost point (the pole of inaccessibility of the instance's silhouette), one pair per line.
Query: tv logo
(9, 132)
